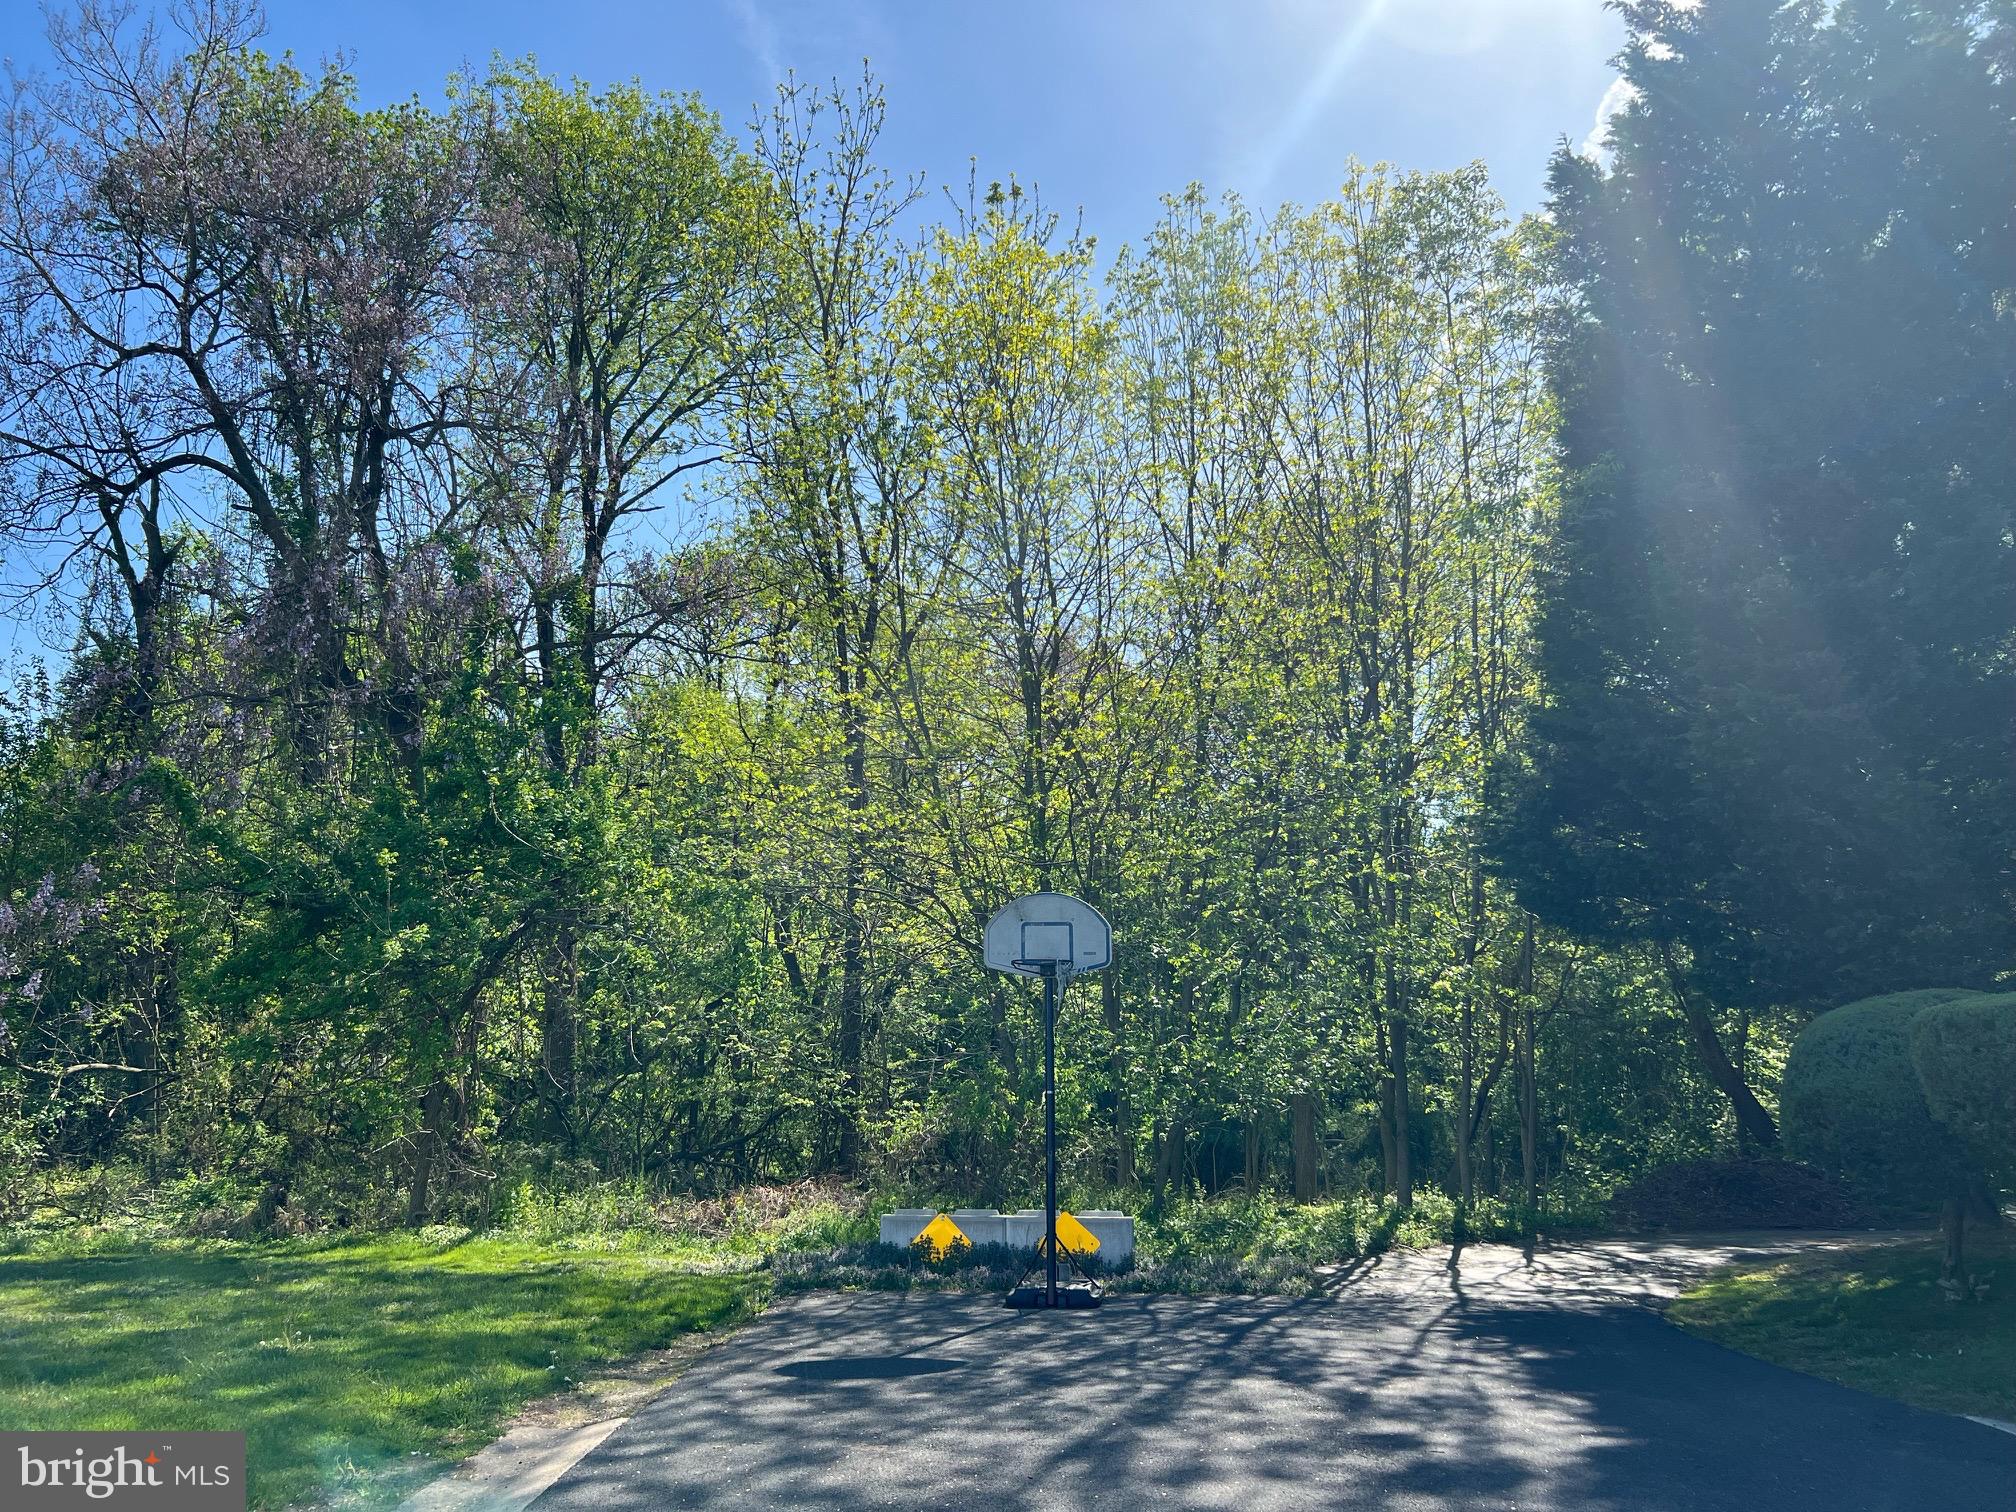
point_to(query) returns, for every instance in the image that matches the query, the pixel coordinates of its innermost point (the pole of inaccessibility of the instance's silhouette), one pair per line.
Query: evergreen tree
(1775, 630)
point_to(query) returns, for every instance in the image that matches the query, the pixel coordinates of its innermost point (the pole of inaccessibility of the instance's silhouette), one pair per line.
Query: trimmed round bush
(1964, 1051)
(1852, 1105)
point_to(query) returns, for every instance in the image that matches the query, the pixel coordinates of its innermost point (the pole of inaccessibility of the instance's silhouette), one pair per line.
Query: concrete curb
(506, 1476)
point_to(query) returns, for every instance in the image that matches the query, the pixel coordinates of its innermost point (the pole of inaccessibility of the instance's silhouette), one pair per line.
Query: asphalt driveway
(1486, 1385)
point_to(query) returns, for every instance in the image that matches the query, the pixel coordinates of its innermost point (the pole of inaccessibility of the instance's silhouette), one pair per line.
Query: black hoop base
(1085, 1295)
(1084, 1292)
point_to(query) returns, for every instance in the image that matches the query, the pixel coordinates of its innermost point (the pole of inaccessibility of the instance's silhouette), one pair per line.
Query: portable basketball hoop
(1046, 931)
(1053, 936)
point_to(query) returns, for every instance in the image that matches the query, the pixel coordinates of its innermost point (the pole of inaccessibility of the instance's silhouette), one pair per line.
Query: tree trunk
(1468, 1113)
(1754, 1128)
(1255, 1150)
(854, 944)
(852, 968)
(1466, 1095)
(1529, 1116)
(1169, 1159)
(1953, 1226)
(1464, 1162)
(423, 1151)
(1527, 1074)
(1302, 1114)
(1123, 1119)
(1403, 1168)
(559, 1038)
(1386, 1140)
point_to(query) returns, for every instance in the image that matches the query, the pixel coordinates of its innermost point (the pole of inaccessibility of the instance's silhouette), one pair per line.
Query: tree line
(578, 618)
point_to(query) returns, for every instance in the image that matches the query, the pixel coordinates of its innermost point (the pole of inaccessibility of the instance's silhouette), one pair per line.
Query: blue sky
(1106, 104)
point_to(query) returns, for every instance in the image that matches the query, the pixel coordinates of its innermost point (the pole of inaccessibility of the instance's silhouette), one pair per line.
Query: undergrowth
(1229, 1244)
(822, 1232)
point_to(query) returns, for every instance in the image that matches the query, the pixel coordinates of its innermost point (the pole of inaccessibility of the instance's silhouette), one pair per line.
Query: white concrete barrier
(981, 1225)
(1021, 1230)
(1115, 1232)
(1024, 1229)
(901, 1225)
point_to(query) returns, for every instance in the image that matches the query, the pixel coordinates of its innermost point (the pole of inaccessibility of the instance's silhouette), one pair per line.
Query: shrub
(628, 1214)
(1853, 1106)
(1964, 1051)
(1266, 1227)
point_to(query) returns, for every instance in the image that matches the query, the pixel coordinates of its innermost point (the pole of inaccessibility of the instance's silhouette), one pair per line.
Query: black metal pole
(1050, 1127)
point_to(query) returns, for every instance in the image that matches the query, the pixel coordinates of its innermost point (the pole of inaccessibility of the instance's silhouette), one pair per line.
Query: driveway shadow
(1425, 1404)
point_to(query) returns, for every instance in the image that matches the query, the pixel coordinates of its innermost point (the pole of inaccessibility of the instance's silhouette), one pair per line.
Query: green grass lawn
(1875, 1319)
(340, 1360)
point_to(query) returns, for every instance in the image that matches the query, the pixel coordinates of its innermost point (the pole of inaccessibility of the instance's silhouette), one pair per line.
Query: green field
(341, 1361)
(1875, 1319)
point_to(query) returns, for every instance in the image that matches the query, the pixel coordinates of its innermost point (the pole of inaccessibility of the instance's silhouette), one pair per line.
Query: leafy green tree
(835, 488)
(629, 244)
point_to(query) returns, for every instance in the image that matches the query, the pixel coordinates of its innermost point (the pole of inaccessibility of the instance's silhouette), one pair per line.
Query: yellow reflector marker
(941, 1235)
(1072, 1236)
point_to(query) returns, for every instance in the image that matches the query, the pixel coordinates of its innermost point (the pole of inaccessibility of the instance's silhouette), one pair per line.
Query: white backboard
(1033, 933)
